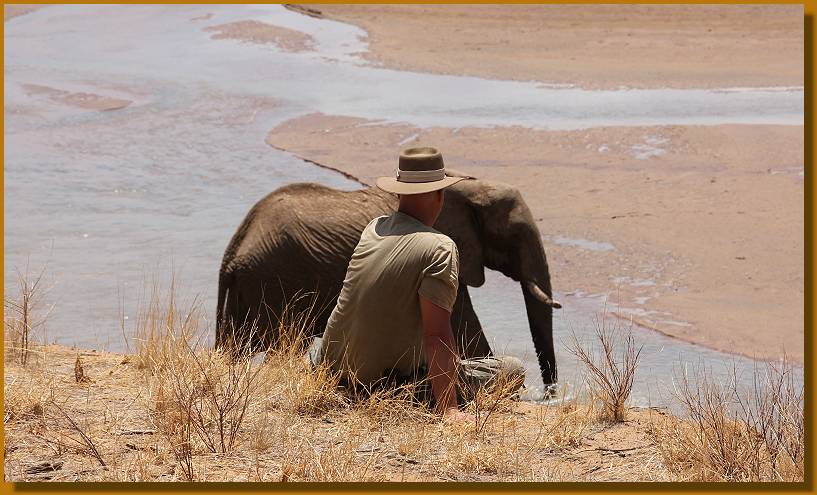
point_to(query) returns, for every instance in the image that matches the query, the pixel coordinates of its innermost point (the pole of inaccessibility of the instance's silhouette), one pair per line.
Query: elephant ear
(459, 222)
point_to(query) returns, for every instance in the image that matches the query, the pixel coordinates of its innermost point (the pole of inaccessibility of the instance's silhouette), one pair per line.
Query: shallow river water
(110, 200)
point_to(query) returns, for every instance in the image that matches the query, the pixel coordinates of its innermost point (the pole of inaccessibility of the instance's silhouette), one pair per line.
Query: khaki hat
(420, 170)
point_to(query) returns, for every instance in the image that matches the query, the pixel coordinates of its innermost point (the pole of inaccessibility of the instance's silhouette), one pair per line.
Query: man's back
(376, 326)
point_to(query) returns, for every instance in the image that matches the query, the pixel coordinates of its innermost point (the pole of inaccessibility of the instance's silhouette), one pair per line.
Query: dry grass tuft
(23, 402)
(208, 391)
(200, 396)
(293, 384)
(163, 330)
(498, 396)
(736, 435)
(611, 377)
(24, 317)
(563, 426)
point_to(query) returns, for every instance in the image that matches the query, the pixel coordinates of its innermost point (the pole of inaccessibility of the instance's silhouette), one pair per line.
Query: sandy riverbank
(592, 46)
(695, 231)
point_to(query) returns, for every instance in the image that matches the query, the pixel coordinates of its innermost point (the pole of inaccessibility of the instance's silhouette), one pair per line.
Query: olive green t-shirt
(376, 325)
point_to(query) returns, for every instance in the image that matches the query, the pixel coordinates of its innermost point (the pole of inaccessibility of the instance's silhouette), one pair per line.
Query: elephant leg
(249, 315)
(466, 327)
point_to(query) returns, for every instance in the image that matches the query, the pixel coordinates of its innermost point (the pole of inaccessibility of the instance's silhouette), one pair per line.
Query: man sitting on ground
(393, 315)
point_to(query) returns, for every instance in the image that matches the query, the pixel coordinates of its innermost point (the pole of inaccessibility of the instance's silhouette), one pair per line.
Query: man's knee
(511, 373)
(504, 372)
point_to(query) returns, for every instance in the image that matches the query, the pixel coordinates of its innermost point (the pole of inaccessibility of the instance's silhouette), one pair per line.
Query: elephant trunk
(539, 306)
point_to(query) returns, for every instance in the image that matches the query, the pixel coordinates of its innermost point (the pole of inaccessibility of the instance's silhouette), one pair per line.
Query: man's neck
(418, 215)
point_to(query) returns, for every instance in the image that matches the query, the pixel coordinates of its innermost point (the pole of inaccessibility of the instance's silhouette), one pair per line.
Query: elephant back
(314, 220)
(294, 245)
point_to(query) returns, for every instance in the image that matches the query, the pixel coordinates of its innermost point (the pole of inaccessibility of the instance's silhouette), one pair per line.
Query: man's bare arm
(438, 344)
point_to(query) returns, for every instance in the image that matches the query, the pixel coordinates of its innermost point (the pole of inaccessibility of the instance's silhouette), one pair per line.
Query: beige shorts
(489, 373)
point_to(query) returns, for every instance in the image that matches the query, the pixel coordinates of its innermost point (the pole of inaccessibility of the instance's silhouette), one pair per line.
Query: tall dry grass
(216, 416)
(24, 316)
(497, 396)
(206, 402)
(164, 330)
(736, 435)
(611, 361)
(199, 395)
(215, 401)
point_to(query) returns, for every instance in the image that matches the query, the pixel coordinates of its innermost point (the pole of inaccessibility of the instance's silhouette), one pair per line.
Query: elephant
(299, 239)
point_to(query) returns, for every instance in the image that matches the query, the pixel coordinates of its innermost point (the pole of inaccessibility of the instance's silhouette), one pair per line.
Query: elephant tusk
(541, 296)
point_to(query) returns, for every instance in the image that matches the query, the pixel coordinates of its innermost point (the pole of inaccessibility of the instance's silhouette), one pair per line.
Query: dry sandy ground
(51, 421)
(704, 241)
(592, 46)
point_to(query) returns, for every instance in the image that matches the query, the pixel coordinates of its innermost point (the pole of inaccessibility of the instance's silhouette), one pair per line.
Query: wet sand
(287, 40)
(696, 231)
(592, 46)
(83, 100)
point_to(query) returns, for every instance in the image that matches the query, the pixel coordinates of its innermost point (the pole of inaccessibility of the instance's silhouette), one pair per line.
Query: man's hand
(454, 415)
(438, 343)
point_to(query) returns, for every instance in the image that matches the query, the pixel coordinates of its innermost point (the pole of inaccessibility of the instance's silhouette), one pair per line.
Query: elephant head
(500, 233)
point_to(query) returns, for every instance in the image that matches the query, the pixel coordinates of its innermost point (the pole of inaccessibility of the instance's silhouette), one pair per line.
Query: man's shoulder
(441, 240)
(435, 246)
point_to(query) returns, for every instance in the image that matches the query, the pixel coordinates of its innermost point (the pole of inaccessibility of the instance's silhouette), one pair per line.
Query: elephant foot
(549, 393)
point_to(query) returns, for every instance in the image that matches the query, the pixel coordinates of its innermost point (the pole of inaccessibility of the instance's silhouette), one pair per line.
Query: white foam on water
(581, 243)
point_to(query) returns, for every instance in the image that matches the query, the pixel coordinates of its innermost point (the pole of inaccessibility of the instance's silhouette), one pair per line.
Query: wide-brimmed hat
(419, 170)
